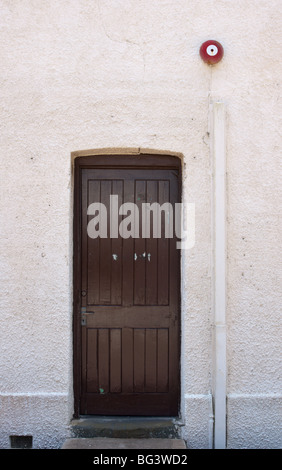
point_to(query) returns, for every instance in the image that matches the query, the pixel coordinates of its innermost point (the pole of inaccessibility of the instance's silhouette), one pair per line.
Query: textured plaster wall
(83, 74)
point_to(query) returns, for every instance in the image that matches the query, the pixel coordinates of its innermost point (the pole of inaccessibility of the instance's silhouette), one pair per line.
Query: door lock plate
(83, 316)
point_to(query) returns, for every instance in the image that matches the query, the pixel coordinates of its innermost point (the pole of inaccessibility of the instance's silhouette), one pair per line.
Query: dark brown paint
(126, 356)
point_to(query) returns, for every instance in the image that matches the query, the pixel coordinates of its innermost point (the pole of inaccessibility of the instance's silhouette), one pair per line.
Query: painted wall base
(45, 417)
(198, 429)
(254, 421)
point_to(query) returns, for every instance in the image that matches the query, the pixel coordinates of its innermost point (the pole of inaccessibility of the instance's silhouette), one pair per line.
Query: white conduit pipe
(219, 153)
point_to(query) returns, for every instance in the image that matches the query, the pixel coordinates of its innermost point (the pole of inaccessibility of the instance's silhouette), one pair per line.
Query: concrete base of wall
(254, 421)
(198, 429)
(44, 417)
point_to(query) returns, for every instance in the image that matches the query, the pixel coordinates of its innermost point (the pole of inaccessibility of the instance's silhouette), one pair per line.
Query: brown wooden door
(126, 293)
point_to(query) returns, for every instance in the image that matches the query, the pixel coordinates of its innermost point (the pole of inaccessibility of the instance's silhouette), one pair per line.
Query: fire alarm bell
(211, 52)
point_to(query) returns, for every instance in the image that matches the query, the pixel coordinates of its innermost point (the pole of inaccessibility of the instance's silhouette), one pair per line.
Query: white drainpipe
(219, 249)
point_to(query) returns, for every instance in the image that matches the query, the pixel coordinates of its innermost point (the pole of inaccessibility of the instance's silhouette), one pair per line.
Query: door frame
(105, 158)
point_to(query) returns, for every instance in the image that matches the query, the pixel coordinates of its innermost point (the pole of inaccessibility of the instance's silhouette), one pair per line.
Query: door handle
(83, 316)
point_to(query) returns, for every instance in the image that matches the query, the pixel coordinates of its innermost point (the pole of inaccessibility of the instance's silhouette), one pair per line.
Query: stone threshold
(125, 427)
(128, 443)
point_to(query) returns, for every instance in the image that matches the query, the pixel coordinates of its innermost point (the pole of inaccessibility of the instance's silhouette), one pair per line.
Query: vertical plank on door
(140, 249)
(151, 360)
(152, 248)
(162, 360)
(128, 252)
(116, 254)
(92, 362)
(103, 359)
(115, 360)
(139, 359)
(105, 249)
(163, 251)
(127, 360)
(93, 248)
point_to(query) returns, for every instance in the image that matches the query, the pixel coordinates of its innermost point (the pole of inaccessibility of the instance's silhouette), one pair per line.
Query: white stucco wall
(82, 74)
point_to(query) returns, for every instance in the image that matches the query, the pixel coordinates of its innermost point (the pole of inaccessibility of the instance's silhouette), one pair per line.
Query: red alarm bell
(211, 52)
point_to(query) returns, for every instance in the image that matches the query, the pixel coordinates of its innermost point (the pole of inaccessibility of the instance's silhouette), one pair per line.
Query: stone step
(125, 427)
(129, 443)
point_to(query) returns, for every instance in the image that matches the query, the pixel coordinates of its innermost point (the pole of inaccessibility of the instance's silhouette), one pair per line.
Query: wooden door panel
(129, 299)
(127, 360)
